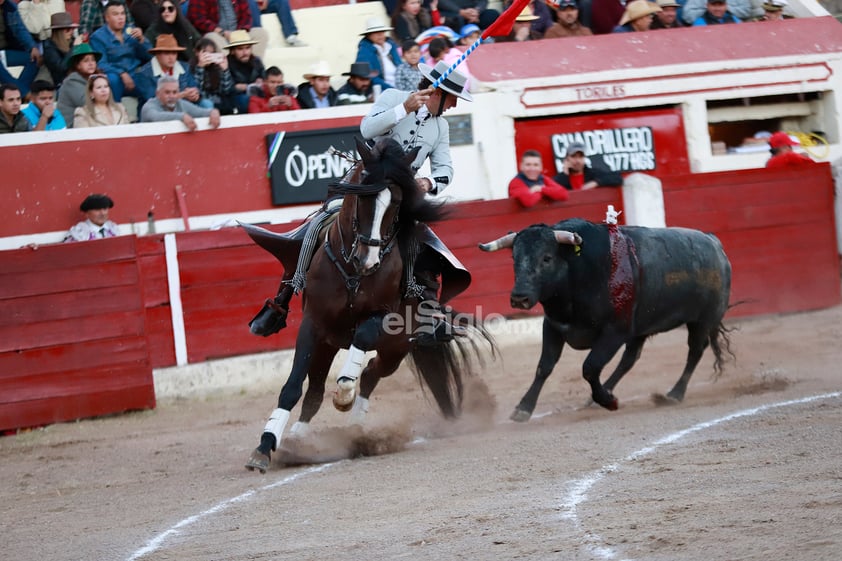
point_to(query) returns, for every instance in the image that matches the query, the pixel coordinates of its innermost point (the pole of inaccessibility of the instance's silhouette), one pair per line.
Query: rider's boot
(272, 317)
(436, 329)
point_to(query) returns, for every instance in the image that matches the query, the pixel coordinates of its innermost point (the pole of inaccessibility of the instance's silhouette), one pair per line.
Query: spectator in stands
(357, 89)
(145, 13)
(457, 13)
(638, 16)
(81, 64)
(57, 47)
(281, 8)
(100, 109)
(37, 17)
(171, 21)
(380, 52)
(41, 111)
(165, 62)
(20, 49)
(773, 10)
(92, 17)
(543, 17)
(522, 28)
(442, 50)
(123, 51)
(246, 68)
(274, 94)
(780, 145)
(11, 117)
(567, 21)
(605, 15)
(316, 92)
(407, 74)
(96, 224)
(530, 185)
(469, 34)
(667, 18)
(715, 11)
(166, 106)
(576, 175)
(213, 77)
(220, 19)
(410, 18)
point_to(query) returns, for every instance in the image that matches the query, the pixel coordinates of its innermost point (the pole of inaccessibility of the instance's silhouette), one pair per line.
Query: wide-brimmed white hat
(373, 25)
(320, 68)
(238, 38)
(637, 9)
(453, 84)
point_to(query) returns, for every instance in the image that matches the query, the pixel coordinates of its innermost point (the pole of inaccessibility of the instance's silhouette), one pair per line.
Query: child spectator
(530, 185)
(41, 111)
(100, 109)
(213, 78)
(274, 94)
(380, 52)
(408, 74)
(96, 224)
(246, 68)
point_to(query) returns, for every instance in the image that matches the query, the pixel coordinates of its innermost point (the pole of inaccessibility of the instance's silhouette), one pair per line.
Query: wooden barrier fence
(82, 325)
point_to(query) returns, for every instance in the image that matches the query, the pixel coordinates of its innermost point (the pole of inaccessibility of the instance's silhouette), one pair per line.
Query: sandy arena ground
(748, 467)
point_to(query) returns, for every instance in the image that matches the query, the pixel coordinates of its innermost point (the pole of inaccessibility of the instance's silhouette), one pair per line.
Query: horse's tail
(442, 367)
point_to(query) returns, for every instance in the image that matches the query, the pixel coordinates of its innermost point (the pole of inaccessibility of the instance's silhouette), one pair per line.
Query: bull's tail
(720, 342)
(441, 367)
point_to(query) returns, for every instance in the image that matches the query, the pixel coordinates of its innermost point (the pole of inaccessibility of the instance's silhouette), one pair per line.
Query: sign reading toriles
(622, 149)
(300, 167)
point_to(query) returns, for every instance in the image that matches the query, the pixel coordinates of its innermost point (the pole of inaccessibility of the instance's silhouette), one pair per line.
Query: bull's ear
(364, 150)
(500, 243)
(569, 238)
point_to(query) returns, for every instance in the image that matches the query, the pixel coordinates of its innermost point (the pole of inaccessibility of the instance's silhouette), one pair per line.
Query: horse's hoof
(346, 393)
(661, 399)
(258, 460)
(520, 415)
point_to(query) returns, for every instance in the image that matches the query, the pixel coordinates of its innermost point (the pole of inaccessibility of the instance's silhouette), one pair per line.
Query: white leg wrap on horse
(358, 411)
(353, 364)
(299, 428)
(277, 421)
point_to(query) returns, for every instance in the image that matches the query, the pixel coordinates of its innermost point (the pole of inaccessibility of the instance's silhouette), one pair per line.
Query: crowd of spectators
(214, 49)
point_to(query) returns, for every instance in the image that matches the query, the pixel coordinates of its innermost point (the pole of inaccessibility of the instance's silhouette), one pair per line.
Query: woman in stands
(81, 64)
(100, 109)
(210, 69)
(171, 20)
(58, 46)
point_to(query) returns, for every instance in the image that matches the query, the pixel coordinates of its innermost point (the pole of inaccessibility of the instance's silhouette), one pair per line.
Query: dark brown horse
(354, 299)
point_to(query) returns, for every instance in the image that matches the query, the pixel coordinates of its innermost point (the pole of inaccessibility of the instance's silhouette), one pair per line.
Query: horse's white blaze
(276, 423)
(384, 197)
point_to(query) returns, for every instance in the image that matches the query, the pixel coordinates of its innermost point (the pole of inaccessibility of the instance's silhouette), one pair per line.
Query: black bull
(604, 286)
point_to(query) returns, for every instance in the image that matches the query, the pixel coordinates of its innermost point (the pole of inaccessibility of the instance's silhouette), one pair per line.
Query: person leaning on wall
(96, 224)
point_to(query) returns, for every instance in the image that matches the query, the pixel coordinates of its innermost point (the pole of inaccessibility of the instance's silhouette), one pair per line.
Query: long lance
(501, 26)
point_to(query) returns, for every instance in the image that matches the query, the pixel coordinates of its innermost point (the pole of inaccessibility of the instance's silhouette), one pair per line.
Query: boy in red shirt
(783, 155)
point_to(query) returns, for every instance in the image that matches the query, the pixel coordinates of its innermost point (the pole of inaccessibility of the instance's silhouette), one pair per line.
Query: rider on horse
(413, 119)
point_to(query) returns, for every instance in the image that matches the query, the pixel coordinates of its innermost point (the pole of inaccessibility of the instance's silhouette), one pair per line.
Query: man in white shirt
(96, 225)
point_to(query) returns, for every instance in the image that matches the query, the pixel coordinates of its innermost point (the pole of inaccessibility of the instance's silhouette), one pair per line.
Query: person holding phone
(273, 94)
(171, 21)
(213, 77)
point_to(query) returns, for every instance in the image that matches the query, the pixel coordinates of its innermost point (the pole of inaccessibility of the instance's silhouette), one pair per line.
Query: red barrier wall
(72, 333)
(81, 325)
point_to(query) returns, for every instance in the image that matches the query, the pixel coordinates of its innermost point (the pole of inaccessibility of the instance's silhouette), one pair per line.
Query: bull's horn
(570, 238)
(506, 241)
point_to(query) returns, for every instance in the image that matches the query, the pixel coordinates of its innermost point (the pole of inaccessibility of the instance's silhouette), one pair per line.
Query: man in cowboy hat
(96, 224)
(638, 16)
(246, 67)
(412, 119)
(357, 89)
(165, 62)
(667, 18)
(317, 92)
(522, 27)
